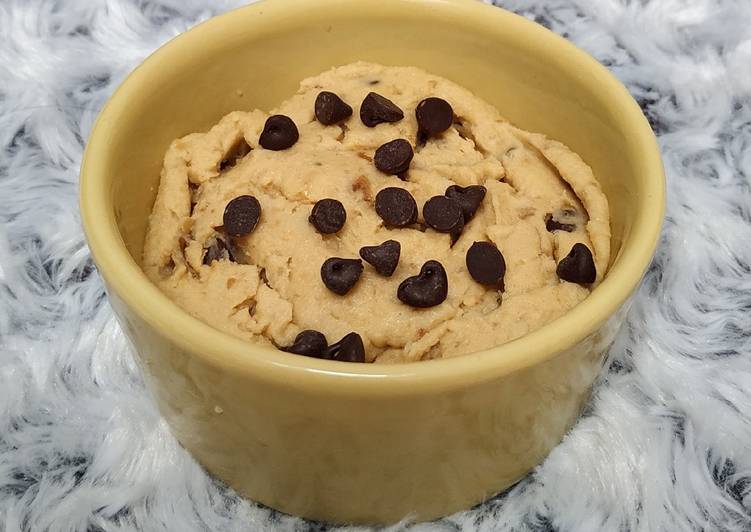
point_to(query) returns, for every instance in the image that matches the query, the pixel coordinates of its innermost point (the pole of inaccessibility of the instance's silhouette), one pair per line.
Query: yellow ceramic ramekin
(361, 442)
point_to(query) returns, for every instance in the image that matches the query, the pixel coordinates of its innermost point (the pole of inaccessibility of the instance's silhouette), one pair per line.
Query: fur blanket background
(665, 444)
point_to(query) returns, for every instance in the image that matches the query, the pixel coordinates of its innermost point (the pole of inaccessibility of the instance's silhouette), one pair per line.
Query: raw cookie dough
(274, 290)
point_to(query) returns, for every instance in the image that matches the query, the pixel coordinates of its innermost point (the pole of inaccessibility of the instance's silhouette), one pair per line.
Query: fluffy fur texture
(666, 440)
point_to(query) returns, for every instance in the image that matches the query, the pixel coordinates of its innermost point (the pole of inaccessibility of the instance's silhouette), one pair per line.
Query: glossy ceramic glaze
(361, 442)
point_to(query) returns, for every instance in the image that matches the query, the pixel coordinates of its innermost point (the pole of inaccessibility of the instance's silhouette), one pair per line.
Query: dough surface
(274, 290)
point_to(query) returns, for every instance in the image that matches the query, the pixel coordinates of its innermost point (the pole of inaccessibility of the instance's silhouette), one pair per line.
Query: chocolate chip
(434, 116)
(328, 216)
(469, 198)
(444, 215)
(340, 275)
(553, 225)
(348, 349)
(279, 133)
(396, 207)
(309, 343)
(217, 250)
(237, 151)
(394, 157)
(427, 289)
(485, 263)
(241, 215)
(578, 266)
(330, 108)
(376, 109)
(384, 257)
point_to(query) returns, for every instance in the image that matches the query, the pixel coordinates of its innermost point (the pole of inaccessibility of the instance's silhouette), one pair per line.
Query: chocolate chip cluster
(448, 213)
(314, 344)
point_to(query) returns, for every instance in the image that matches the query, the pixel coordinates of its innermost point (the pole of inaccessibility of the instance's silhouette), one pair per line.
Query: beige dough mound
(272, 289)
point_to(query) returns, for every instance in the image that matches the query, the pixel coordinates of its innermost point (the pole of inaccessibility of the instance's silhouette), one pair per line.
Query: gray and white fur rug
(665, 443)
